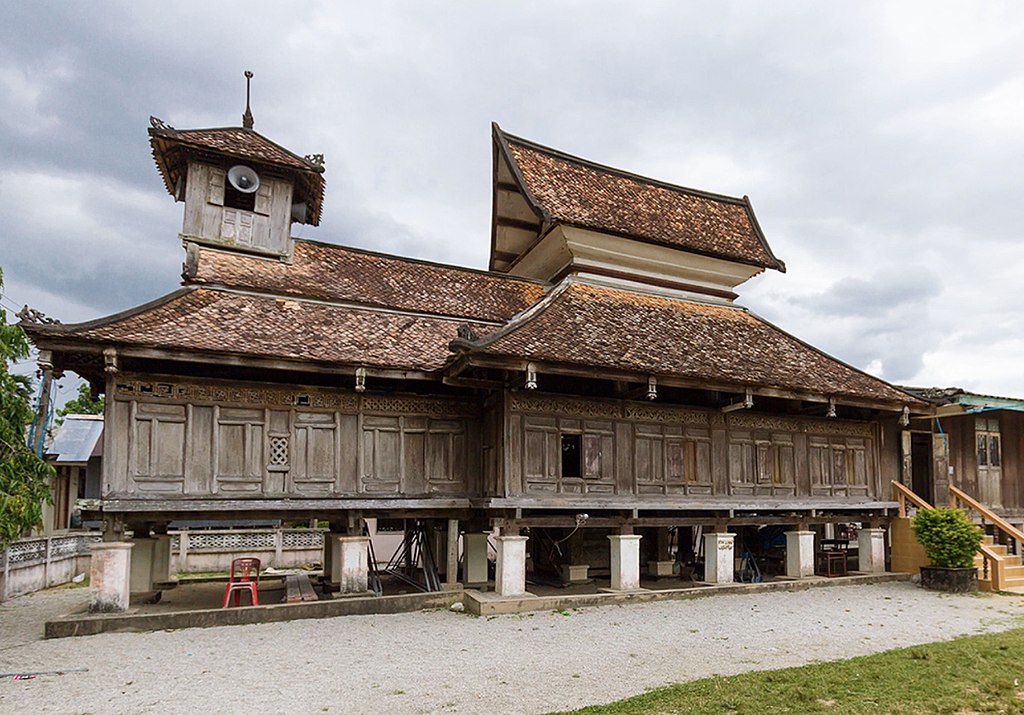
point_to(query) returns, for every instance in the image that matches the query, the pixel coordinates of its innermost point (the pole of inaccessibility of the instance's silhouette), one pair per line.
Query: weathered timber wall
(171, 437)
(631, 448)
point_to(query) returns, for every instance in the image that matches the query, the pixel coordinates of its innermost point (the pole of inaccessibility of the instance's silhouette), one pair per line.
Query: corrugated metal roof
(79, 438)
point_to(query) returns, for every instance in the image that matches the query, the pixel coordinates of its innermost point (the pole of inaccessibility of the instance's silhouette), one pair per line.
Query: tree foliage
(24, 478)
(949, 538)
(82, 404)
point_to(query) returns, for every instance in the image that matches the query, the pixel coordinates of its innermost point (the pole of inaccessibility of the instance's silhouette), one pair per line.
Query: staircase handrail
(992, 563)
(956, 494)
(902, 495)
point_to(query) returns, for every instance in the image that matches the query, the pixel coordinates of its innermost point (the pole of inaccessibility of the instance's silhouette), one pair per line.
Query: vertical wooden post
(452, 560)
(278, 545)
(183, 550)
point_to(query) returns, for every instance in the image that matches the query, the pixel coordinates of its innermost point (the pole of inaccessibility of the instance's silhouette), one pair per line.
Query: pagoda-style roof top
(563, 189)
(335, 273)
(171, 147)
(205, 320)
(597, 327)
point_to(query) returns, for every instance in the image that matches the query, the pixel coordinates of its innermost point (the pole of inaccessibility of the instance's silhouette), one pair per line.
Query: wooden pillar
(452, 554)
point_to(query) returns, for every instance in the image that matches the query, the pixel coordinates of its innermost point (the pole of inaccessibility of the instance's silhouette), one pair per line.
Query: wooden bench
(299, 588)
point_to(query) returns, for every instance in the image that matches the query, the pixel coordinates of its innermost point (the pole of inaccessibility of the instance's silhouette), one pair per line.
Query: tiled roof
(239, 142)
(602, 327)
(329, 272)
(201, 319)
(571, 190)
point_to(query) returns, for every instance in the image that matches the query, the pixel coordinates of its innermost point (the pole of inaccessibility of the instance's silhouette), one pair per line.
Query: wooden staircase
(1012, 567)
(998, 570)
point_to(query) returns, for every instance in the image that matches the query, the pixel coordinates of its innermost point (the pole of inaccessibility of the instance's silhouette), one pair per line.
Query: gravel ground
(443, 662)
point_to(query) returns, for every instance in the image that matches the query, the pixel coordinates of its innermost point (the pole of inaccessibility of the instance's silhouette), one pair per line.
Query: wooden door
(990, 461)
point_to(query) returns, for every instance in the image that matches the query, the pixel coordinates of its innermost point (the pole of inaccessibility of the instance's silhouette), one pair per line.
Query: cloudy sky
(881, 144)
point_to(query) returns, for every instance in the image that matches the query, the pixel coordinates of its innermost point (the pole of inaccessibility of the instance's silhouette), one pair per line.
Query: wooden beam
(517, 224)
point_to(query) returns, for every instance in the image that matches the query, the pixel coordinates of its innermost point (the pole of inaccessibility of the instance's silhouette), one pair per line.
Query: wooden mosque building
(597, 383)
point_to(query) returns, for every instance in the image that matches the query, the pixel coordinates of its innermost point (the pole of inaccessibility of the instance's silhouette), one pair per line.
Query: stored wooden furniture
(830, 557)
(299, 588)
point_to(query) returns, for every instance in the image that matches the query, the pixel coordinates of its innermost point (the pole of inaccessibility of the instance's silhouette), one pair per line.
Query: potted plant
(950, 540)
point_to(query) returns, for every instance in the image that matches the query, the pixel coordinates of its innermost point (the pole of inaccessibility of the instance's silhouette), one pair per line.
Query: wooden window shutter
(591, 456)
(264, 194)
(215, 191)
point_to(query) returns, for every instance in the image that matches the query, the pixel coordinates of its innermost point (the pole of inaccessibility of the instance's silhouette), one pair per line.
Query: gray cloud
(879, 143)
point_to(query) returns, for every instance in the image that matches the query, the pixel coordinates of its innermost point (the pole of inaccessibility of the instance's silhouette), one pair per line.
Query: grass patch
(968, 675)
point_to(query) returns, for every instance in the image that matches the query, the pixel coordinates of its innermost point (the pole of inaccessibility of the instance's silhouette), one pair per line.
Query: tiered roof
(565, 189)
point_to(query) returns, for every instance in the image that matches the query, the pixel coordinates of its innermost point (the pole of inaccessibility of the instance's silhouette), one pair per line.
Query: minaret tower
(241, 190)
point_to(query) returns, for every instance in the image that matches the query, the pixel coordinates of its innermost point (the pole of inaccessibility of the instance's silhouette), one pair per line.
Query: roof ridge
(418, 261)
(353, 305)
(725, 198)
(515, 322)
(829, 356)
(58, 328)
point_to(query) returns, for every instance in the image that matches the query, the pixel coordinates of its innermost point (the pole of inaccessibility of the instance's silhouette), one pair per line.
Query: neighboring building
(76, 454)
(974, 442)
(598, 377)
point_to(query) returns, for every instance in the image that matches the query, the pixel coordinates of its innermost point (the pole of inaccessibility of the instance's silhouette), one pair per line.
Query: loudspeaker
(243, 179)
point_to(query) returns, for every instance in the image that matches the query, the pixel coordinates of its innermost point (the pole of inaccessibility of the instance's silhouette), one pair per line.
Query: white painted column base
(350, 563)
(625, 562)
(474, 559)
(871, 550)
(799, 554)
(510, 568)
(718, 557)
(109, 576)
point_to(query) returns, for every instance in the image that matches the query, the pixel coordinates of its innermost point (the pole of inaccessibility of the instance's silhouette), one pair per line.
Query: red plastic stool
(248, 570)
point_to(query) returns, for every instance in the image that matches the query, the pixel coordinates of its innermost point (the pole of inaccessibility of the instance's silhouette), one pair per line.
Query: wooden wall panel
(174, 439)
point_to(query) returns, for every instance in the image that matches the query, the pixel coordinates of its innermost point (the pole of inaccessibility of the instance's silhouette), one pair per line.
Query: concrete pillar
(163, 569)
(718, 557)
(799, 554)
(871, 550)
(141, 580)
(510, 568)
(109, 576)
(625, 562)
(350, 563)
(474, 559)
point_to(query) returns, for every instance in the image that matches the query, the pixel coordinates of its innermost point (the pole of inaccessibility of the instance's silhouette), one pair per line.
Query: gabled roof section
(171, 148)
(593, 326)
(560, 188)
(970, 401)
(210, 321)
(336, 273)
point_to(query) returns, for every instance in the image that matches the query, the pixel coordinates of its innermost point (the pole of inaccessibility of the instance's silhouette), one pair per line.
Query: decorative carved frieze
(650, 413)
(224, 394)
(519, 402)
(779, 423)
(413, 405)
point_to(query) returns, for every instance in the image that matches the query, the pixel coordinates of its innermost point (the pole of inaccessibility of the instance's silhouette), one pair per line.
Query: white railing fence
(29, 565)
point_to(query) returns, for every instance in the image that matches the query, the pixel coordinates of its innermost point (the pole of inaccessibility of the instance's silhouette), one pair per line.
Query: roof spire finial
(247, 117)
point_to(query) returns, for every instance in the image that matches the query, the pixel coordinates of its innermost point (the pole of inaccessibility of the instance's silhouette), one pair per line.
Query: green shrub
(949, 538)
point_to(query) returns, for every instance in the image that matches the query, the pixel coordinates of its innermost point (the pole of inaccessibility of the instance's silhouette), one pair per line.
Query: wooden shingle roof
(566, 189)
(246, 324)
(337, 273)
(598, 327)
